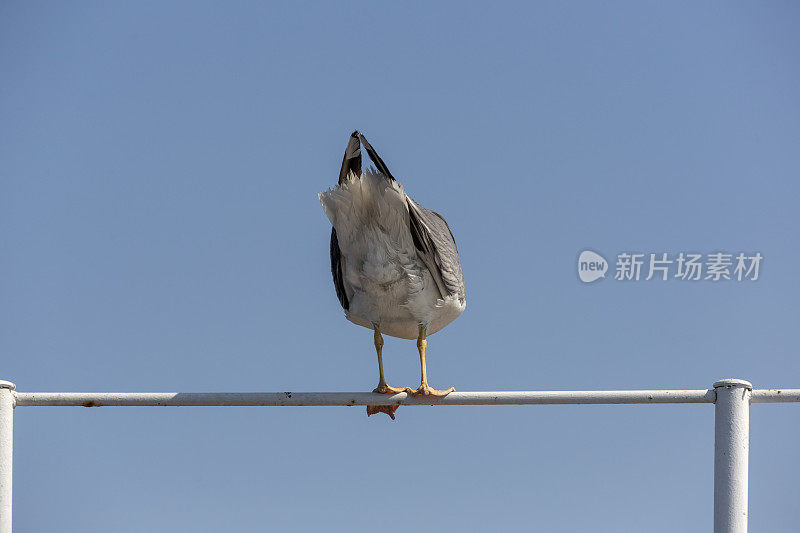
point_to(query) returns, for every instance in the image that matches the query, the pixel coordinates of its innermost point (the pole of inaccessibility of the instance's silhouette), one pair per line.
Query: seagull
(395, 264)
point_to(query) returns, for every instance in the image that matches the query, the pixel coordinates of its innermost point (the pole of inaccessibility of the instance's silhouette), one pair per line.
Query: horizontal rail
(775, 395)
(188, 399)
(118, 399)
(732, 399)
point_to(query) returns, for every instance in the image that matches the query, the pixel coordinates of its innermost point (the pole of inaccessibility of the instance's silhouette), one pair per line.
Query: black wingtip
(375, 157)
(352, 158)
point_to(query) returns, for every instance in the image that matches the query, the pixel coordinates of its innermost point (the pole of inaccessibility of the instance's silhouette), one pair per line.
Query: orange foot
(426, 390)
(383, 388)
(388, 409)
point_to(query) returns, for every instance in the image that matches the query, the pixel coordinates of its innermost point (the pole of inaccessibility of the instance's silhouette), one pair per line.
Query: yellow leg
(382, 387)
(424, 389)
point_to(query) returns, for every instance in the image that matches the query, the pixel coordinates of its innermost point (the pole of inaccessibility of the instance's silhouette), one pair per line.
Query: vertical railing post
(731, 450)
(6, 455)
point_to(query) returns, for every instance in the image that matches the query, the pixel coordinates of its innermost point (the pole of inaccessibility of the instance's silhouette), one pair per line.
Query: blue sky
(160, 231)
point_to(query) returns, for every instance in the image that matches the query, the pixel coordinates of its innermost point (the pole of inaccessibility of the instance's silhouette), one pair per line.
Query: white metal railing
(732, 399)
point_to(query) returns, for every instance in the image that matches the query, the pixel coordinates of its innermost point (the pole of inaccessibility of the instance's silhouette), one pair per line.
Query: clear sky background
(160, 231)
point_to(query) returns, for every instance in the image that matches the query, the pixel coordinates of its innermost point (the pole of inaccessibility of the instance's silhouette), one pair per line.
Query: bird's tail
(365, 197)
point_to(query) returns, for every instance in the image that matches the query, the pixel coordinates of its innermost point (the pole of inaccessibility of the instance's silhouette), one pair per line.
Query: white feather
(385, 280)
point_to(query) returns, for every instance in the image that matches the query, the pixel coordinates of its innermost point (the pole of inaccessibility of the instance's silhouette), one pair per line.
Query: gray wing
(437, 248)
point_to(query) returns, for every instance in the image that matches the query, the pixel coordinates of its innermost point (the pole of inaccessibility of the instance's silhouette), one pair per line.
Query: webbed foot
(388, 409)
(383, 388)
(427, 390)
